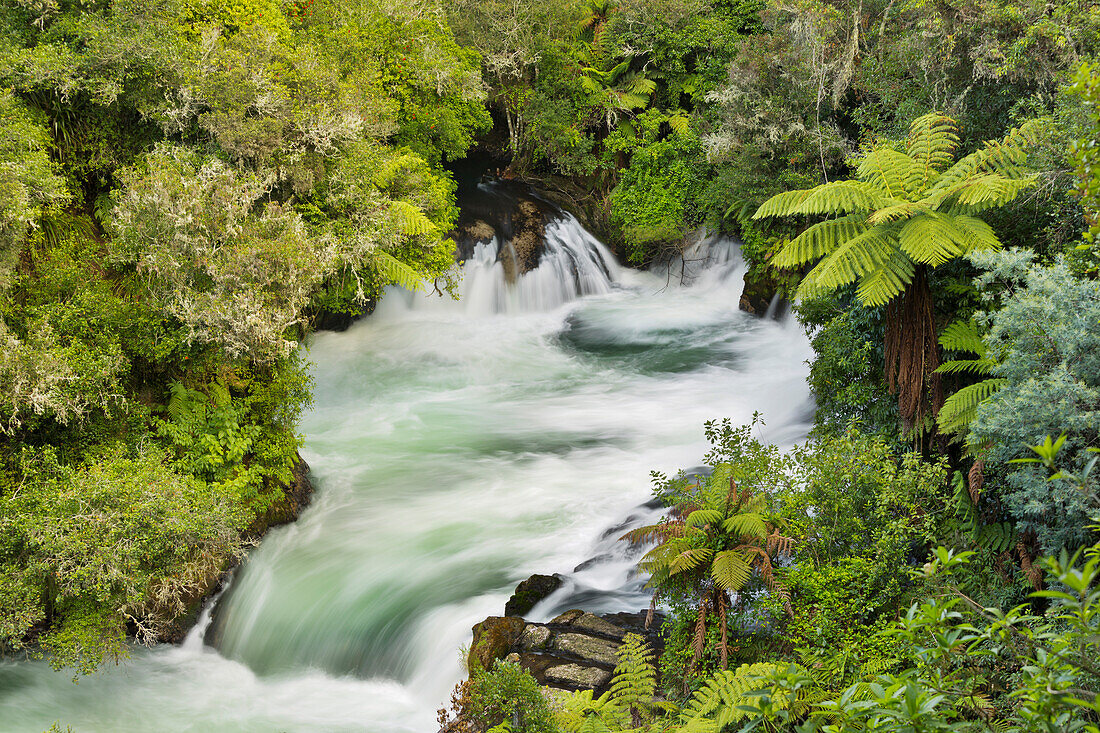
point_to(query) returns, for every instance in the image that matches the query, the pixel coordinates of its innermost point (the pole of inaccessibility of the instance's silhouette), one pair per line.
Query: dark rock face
(329, 321)
(530, 592)
(508, 211)
(756, 298)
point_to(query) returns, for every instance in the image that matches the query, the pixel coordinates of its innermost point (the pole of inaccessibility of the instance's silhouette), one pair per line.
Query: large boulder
(493, 639)
(587, 648)
(530, 592)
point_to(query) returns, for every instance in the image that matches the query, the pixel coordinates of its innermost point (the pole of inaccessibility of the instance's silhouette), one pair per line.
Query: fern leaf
(679, 124)
(960, 409)
(980, 367)
(689, 559)
(730, 570)
(851, 260)
(889, 171)
(395, 271)
(964, 336)
(702, 517)
(816, 240)
(642, 86)
(635, 678)
(885, 281)
(842, 197)
(411, 221)
(933, 139)
(979, 235)
(933, 239)
(781, 204)
(748, 524)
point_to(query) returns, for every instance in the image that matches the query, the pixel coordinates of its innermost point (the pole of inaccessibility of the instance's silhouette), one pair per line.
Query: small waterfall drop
(572, 264)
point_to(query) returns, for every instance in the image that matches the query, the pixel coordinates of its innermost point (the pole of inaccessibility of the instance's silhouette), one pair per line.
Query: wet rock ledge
(576, 650)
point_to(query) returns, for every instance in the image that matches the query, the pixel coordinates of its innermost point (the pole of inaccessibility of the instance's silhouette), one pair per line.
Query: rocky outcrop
(493, 639)
(508, 211)
(576, 650)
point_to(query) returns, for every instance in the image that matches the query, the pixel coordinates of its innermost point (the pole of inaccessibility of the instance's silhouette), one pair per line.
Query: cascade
(457, 447)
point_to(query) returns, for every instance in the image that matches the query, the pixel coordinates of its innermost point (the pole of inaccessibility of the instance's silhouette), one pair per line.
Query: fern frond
(842, 197)
(703, 517)
(746, 524)
(980, 367)
(932, 238)
(635, 678)
(689, 559)
(395, 271)
(851, 260)
(721, 701)
(411, 221)
(781, 204)
(816, 240)
(889, 171)
(960, 409)
(731, 570)
(642, 86)
(679, 124)
(979, 235)
(898, 212)
(885, 281)
(933, 139)
(964, 336)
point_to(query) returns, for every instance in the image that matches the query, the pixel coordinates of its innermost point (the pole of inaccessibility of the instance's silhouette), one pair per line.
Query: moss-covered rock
(530, 592)
(493, 639)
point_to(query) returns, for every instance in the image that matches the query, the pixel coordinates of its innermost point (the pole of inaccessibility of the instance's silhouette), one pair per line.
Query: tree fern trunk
(912, 352)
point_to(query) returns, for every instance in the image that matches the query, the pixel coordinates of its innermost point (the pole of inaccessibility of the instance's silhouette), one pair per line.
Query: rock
(493, 639)
(590, 622)
(530, 592)
(534, 638)
(575, 675)
(756, 298)
(593, 561)
(588, 648)
(567, 618)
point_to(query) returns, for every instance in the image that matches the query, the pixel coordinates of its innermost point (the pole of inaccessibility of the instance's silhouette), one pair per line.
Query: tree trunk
(912, 352)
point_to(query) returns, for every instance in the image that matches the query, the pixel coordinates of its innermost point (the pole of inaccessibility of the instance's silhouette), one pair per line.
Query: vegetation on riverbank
(187, 183)
(924, 175)
(184, 184)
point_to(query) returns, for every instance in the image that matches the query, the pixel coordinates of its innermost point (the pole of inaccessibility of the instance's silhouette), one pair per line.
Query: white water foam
(457, 447)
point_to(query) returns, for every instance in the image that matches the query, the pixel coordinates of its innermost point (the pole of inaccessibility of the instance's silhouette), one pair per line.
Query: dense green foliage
(913, 566)
(184, 184)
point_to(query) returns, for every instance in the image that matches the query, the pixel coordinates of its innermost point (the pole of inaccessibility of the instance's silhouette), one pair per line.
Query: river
(456, 447)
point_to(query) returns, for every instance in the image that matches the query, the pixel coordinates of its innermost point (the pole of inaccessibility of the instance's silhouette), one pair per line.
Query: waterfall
(457, 447)
(573, 264)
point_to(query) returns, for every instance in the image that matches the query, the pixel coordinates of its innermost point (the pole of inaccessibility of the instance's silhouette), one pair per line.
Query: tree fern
(907, 212)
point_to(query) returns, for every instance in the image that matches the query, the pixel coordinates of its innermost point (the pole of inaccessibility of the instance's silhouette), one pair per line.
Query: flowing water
(456, 447)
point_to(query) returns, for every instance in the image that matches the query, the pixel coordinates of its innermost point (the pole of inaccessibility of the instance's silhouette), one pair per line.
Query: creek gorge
(456, 448)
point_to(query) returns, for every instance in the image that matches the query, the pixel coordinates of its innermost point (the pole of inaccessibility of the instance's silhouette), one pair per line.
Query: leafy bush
(90, 552)
(1047, 347)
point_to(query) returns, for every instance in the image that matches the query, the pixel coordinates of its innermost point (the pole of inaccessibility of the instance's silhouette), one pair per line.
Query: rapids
(456, 447)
